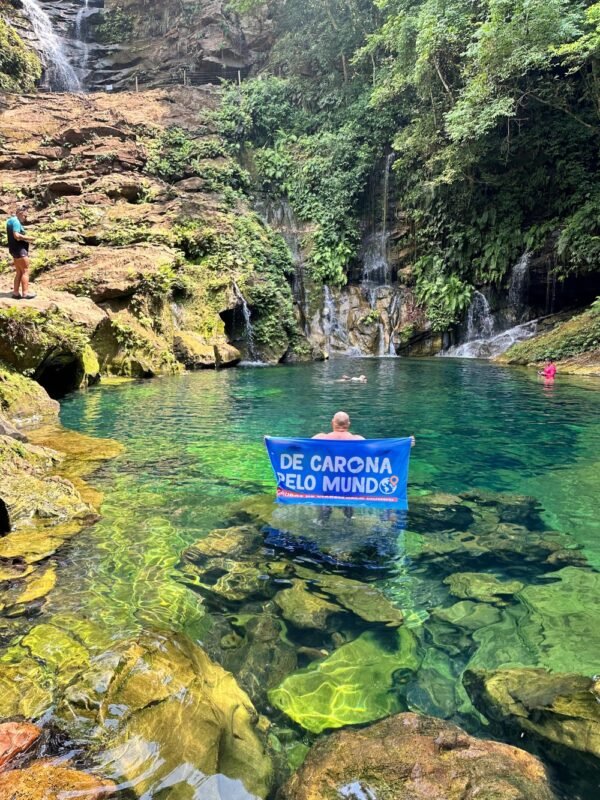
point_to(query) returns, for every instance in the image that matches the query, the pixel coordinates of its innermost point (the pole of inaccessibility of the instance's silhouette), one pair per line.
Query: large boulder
(31, 491)
(411, 757)
(49, 338)
(562, 709)
(108, 273)
(356, 684)
(165, 685)
(24, 402)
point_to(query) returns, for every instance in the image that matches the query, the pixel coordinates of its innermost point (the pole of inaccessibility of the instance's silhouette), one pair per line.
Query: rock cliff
(147, 256)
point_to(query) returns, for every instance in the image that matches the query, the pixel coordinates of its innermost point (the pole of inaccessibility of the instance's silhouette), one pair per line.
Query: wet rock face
(110, 43)
(410, 757)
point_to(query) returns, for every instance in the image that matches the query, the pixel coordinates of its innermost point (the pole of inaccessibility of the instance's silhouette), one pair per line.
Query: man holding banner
(341, 468)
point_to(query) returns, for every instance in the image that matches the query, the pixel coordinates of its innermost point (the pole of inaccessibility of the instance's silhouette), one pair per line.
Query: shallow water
(193, 445)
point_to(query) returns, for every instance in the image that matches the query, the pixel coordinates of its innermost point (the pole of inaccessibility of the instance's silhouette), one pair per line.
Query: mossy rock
(362, 599)
(57, 650)
(26, 689)
(163, 685)
(355, 684)
(561, 709)
(29, 488)
(561, 620)
(224, 542)
(23, 401)
(20, 65)
(481, 586)
(44, 780)
(305, 609)
(410, 756)
(468, 615)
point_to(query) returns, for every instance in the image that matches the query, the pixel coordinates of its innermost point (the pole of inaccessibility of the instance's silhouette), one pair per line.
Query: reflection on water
(310, 596)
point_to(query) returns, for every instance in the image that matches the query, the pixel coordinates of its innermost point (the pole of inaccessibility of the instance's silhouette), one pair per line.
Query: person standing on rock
(18, 247)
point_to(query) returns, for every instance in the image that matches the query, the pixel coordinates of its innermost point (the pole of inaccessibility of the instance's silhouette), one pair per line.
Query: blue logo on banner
(370, 472)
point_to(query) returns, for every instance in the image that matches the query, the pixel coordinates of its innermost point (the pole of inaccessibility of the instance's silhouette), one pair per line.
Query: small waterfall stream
(60, 75)
(248, 328)
(485, 336)
(517, 289)
(80, 34)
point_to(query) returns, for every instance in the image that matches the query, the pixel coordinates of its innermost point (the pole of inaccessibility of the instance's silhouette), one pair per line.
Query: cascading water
(517, 289)
(483, 337)
(248, 328)
(375, 255)
(480, 321)
(329, 317)
(60, 75)
(80, 34)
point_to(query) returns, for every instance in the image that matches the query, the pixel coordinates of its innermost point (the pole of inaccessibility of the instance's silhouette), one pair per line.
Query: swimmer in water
(549, 371)
(352, 379)
(340, 430)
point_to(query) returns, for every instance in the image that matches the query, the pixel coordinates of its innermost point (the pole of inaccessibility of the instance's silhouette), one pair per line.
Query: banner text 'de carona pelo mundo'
(341, 472)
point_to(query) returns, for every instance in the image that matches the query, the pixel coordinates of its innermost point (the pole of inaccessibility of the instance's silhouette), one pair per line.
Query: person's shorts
(19, 252)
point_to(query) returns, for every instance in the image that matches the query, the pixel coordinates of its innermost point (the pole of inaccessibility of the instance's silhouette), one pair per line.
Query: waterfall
(480, 322)
(517, 289)
(375, 260)
(483, 340)
(60, 74)
(248, 328)
(495, 345)
(80, 33)
(329, 316)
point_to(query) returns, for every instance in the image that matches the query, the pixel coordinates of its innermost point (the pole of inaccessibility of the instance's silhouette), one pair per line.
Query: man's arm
(22, 237)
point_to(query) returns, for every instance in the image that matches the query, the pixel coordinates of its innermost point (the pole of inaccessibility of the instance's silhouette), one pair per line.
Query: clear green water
(193, 445)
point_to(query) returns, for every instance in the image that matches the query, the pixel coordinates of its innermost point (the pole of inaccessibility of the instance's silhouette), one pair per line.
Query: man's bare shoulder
(320, 436)
(358, 437)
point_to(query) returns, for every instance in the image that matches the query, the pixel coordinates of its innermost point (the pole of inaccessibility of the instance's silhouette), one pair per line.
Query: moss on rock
(20, 66)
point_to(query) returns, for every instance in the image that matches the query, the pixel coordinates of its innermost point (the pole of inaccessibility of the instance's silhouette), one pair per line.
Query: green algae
(354, 685)
(480, 586)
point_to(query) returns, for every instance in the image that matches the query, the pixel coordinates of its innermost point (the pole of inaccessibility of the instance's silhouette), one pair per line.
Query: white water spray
(80, 33)
(248, 328)
(61, 75)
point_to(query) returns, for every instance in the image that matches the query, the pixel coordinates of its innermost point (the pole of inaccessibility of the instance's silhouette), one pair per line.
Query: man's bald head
(340, 421)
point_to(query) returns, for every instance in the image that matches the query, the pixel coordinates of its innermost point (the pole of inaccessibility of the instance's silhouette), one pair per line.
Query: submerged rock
(563, 709)
(355, 684)
(411, 757)
(362, 599)
(224, 542)
(305, 609)
(44, 780)
(170, 705)
(481, 586)
(562, 620)
(468, 615)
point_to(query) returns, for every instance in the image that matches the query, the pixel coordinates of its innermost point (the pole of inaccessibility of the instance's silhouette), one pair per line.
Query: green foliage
(492, 110)
(173, 155)
(581, 334)
(117, 26)
(579, 242)
(27, 327)
(20, 66)
(444, 295)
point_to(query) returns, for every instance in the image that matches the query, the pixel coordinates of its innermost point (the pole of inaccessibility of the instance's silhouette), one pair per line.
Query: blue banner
(334, 472)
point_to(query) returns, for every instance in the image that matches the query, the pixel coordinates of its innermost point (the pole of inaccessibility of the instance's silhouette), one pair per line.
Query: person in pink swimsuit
(549, 371)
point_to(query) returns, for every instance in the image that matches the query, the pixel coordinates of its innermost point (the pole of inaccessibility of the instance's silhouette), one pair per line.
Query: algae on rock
(358, 683)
